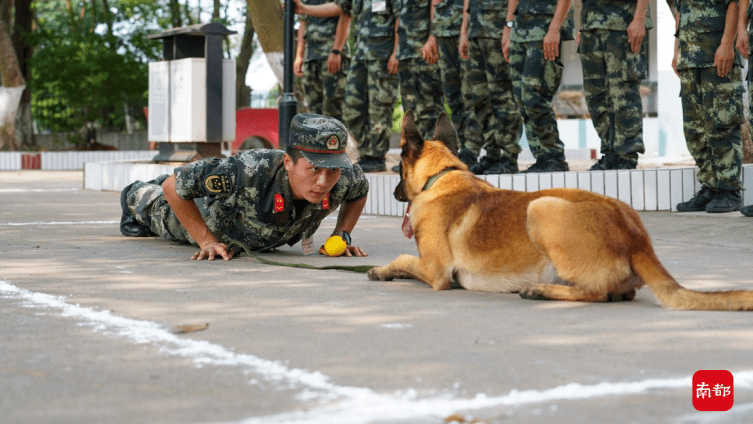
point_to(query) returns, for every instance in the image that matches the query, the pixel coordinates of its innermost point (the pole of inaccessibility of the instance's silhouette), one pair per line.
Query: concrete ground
(87, 319)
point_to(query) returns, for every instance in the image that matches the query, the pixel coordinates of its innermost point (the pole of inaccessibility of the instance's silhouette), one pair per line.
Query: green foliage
(89, 64)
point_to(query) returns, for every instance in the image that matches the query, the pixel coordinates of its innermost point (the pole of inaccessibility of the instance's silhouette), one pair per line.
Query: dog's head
(420, 160)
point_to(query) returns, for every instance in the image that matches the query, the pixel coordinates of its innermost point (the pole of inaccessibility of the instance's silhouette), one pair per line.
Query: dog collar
(434, 178)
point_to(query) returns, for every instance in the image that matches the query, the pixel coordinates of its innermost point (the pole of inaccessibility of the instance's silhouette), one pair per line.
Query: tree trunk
(242, 62)
(12, 80)
(267, 19)
(24, 16)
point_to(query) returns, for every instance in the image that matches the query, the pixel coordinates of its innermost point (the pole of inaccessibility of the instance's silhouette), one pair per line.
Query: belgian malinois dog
(558, 244)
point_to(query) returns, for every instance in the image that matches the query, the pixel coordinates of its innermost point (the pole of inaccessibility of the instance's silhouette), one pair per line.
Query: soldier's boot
(725, 201)
(605, 163)
(485, 163)
(468, 157)
(747, 211)
(372, 164)
(545, 164)
(625, 163)
(698, 202)
(128, 224)
(503, 165)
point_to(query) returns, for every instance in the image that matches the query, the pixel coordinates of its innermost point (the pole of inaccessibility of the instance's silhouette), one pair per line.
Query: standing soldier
(489, 79)
(372, 83)
(327, 57)
(744, 41)
(420, 84)
(711, 90)
(445, 26)
(532, 43)
(614, 55)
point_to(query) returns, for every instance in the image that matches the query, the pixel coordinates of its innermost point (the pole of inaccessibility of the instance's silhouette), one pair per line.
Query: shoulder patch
(217, 184)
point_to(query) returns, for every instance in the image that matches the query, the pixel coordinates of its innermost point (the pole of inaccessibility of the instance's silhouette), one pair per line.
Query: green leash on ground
(357, 268)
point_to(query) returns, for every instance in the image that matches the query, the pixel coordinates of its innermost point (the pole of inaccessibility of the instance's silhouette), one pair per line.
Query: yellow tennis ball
(335, 246)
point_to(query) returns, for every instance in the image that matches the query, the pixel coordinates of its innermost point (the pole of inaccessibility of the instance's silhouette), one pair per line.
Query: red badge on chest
(279, 203)
(325, 203)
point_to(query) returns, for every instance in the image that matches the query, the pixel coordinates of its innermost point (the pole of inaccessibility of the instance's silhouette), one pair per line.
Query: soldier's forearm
(325, 10)
(730, 26)
(349, 214)
(742, 18)
(301, 40)
(511, 6)
(640, 10)
(560, 13)
(341, 33)
(188, 214)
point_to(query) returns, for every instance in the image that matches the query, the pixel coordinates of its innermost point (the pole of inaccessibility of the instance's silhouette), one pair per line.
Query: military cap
(320, 139)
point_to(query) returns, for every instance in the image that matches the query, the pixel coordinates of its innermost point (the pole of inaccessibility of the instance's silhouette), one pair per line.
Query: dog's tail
(672, 295)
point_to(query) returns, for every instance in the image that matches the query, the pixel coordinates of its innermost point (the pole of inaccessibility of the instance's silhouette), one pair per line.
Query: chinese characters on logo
(713, 390)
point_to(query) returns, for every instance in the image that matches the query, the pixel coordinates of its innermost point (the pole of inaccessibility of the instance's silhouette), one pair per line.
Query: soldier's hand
(723, 60)
(505, 43)
(393, 64)
(350, 251)
(463, 47)
(636, 31)
(552, 45)
(333, 63)
(429, 50)
(436, 2)
(355, 251)
(212, 249)
(298, 66)
(742, 44)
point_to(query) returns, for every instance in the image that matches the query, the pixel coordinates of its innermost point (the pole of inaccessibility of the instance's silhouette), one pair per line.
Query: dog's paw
(376, 274)
(532, 293)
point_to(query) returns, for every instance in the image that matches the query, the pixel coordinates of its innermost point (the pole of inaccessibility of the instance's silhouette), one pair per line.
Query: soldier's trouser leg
(356, 109)
(453, 69)
(712, 114)
(421, 92)
(480, 104)
(611, 81)
(507, 122)
(383, 88)
(535, 81)
(333, 88)
(147, 203)
(311, 81)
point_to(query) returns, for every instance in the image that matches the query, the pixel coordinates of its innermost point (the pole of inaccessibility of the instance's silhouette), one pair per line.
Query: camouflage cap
(320, 139)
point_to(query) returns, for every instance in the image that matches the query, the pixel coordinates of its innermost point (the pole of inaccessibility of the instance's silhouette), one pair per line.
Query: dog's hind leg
(584, 247)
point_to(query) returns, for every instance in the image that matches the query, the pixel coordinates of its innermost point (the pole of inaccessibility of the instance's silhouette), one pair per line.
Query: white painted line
(337, 404)
(21, 224)
(36, 190)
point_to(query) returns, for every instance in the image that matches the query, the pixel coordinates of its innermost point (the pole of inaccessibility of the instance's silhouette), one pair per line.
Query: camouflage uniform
(324, 91)
(612, 76)
(750, 68)
(420, 83)
(237, 199)
(712, 105)
(370, 90)
(448, 16)
(489, 80)
(536, 80)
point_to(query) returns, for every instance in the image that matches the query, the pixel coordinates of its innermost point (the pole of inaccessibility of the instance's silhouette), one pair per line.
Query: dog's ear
(445, 132)
(411, 139)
